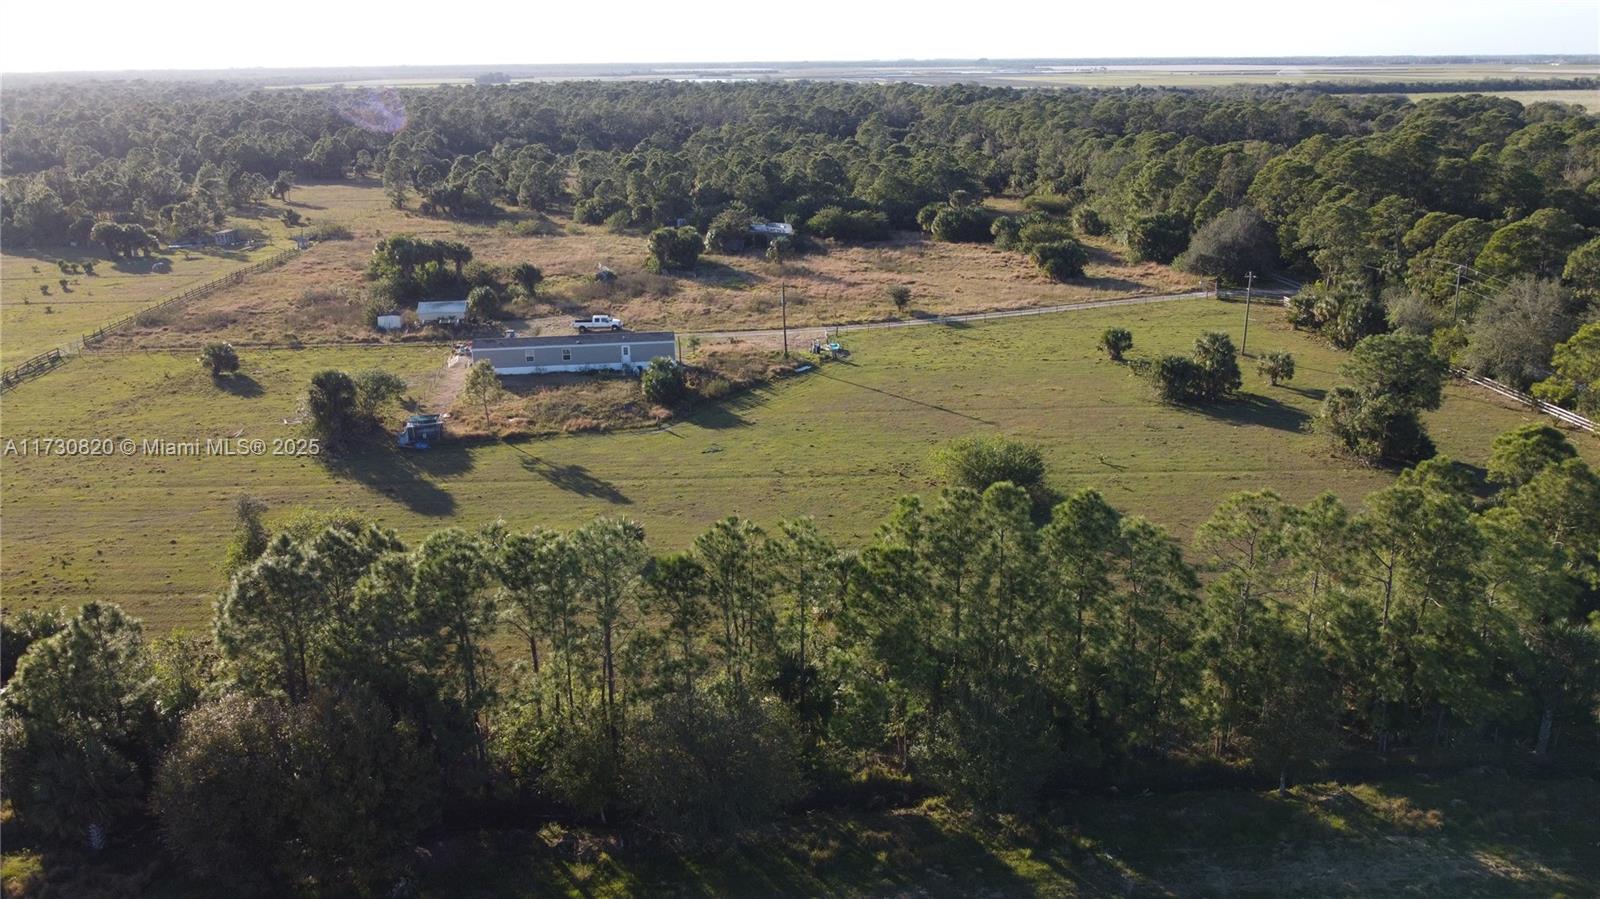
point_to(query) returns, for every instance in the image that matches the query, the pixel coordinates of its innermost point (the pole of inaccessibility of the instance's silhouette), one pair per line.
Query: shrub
(527, 276)
(981, 461)
(483, 304)
(1005, 230)
(1089, 221)
(1344, 313)
(1232, 244)
(1116, 342)
(1219, 365)
(674, 249)
(1276, 366)
(482, 274)
(729, 230)
(1411, 313)
(961, 224)
(1177, 378)
(329, 231)
(1060, 260)
(900, 295)
(662, 381)
(1159, 237)
(1209, 375)
(838, 224)
(1036, 232)
(219, 358)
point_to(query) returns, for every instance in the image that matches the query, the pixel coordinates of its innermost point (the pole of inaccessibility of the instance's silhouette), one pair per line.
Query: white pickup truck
(597, 323)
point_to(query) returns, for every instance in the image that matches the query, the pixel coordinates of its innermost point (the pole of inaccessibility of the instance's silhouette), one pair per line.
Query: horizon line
(1288, 60)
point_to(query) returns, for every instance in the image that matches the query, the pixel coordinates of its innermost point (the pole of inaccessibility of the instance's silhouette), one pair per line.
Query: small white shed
(441, 311)
(389, 321)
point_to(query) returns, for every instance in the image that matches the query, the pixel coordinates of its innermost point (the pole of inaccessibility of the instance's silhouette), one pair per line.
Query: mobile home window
(566, 355)
(529, 357)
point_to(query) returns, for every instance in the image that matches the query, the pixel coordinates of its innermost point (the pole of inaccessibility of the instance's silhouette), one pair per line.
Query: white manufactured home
(615, 350)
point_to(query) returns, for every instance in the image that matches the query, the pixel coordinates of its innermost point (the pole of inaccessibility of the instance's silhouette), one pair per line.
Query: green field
(32, 322)
(839, 444)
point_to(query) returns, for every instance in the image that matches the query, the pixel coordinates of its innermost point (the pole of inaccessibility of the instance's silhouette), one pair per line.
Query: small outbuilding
(771, 230)
(613, 350)
(447, 312)
(390, 321)
(227, 238)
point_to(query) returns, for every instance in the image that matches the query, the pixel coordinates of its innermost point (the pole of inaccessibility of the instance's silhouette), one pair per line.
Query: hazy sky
(191, 34)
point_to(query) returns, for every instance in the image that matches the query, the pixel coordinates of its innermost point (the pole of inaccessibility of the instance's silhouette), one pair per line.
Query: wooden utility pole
(1249, 282)
(1455, 303)
(783, 301)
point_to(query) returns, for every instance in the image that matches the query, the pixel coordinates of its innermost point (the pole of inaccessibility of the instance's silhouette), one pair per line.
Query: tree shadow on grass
(827, 855)
(1255, 409)
(720, 274)
(239, 384)
(907, 399)
(404, 475)
(572, 478)
(1321, 839)
(1315, 394)
(726, 413)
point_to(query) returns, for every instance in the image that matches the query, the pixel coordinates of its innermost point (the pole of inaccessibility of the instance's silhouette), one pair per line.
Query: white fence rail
(1565, 416)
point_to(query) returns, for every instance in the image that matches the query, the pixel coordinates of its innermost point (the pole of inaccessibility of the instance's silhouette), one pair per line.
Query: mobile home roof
(602, 338)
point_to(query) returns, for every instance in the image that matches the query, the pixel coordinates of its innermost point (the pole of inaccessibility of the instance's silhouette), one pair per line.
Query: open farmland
(839, 444)
(32, 322)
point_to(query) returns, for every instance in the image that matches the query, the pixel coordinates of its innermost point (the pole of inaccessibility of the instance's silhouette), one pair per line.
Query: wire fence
(193, 293)
(53, 359)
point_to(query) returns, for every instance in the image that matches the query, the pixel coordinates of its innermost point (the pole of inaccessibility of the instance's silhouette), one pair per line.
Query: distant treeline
(1369, 192)
(1464, 85)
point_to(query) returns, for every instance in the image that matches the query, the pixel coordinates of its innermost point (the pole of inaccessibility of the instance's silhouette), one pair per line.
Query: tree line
(1430, 213)
(997, 643)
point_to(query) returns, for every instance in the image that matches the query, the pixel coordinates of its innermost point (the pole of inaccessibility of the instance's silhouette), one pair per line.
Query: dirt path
(440, 394)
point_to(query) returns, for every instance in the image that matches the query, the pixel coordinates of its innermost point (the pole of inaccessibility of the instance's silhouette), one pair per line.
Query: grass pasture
(839, 444)
(32, 322)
